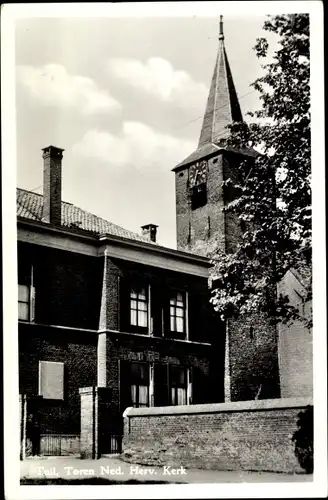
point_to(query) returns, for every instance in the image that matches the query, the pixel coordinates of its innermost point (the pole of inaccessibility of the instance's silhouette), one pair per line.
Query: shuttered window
(51, 379)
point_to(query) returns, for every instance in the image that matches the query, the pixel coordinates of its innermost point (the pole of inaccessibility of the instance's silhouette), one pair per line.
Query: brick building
(100, 306)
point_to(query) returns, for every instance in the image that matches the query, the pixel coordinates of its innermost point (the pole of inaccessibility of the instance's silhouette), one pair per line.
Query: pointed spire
(222, 105)
(221, 35)
(221, 110)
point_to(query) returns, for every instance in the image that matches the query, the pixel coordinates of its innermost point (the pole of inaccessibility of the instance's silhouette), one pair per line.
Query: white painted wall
(295, 344)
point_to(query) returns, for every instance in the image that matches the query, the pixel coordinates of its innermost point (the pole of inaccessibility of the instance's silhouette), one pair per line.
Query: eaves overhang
(79, 241)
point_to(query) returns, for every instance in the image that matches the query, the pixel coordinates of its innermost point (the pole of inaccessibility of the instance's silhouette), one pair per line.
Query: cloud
(138, 145)
(158, 78)
(53, 85)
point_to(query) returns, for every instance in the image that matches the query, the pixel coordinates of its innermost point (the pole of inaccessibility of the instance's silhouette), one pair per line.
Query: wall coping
(94, 389)
(256, 405)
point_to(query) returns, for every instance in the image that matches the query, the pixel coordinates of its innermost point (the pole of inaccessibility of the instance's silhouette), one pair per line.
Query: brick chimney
(150, 231)
(52, 181)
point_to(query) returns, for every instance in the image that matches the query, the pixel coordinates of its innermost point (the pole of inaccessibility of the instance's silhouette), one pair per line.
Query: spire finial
(221, 35)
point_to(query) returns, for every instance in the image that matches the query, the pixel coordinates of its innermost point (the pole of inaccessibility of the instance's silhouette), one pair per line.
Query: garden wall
(246, 435)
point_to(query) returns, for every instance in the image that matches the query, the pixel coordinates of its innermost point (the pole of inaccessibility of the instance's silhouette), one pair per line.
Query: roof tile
(30, 206)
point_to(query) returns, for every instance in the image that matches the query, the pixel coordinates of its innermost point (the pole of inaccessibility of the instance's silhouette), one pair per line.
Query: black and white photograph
(164, 250)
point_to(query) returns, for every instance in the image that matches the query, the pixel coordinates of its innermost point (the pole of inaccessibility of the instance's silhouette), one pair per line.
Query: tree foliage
(273, 192)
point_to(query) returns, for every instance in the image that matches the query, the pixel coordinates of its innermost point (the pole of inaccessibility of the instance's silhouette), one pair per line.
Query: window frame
(26, 302)
(30, 302)
(174, 386)
(135, 381)
(135, 296)
(174, 316)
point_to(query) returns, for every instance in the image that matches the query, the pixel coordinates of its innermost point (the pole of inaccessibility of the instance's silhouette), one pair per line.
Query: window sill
(160, 338)
(117, 332)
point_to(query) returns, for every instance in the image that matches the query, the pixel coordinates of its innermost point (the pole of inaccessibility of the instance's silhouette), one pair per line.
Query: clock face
(198, 173)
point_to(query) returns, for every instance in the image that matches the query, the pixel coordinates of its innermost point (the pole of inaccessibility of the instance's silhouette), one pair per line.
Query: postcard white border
(10, 12)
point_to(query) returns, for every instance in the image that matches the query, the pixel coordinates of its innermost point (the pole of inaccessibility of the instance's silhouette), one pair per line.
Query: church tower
(251, 359)
(200, 197)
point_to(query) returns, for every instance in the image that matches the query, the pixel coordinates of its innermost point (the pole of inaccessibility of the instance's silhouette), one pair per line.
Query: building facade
(100, 306)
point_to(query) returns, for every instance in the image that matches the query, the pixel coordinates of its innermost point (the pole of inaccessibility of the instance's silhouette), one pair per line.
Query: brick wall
(149, 349)
(52, 185)
(254, 372)
(253, 353)
(206, 220)
(67, 285)
(78, 351)
(253, 435)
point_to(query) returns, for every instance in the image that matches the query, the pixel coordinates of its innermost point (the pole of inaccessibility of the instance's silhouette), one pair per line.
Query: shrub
(303, 438)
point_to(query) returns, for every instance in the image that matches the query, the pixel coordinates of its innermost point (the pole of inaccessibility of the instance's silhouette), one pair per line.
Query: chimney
(52, 180)
(150, 231)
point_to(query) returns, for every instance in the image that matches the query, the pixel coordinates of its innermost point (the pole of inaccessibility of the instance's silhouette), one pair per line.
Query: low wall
(246, 435)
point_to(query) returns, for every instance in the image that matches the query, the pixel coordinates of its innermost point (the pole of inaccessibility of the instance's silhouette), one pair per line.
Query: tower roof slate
(221, 110)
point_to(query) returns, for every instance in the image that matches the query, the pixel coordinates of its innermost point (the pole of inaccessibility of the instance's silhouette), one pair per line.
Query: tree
(272, 197)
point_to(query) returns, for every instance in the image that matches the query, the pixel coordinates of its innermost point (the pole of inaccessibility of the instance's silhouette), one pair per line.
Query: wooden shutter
(193, 310)
(165, 299)
(199, 317)
(157, 303)
(161, 385)
(125, 385)
(51, 380)
(125, 289)
(32, 303)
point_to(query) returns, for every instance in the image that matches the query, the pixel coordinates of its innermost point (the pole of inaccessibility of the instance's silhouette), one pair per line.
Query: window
(172, 385)
(178, 312)
(51, 379)
(139, 306)
(26, 291)
(178, 385)
(139, 384)
(198, 196)
(26, 296)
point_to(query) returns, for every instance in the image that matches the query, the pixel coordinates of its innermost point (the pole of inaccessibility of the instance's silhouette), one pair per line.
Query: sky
(125, 98)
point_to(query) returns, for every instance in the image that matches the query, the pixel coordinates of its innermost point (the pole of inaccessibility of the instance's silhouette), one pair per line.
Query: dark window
(134, 384)
(170, 385)
(198, 196)
(139, 381)
(178, 385)
(139, 306)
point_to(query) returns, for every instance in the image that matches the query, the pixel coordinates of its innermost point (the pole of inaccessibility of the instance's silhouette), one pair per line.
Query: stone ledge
(94, 390)
(238, 406)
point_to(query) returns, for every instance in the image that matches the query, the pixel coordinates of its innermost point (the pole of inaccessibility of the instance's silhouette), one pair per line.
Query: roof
(30, 205)
(222, 109)
(210, 150)
(222, 104)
